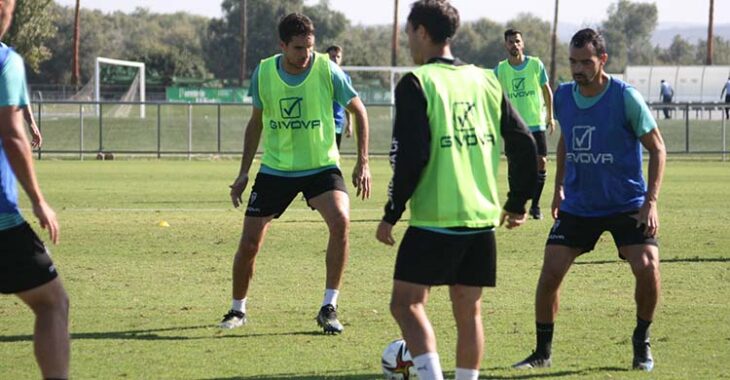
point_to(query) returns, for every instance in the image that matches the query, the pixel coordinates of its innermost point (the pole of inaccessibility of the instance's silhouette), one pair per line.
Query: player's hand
(551, 126)
(237, 188)
(37, 139)
(648, 218)
(348, 131)
(513, 220)
(361, 179)
(47, 217)
(384, 233)
(558, 197)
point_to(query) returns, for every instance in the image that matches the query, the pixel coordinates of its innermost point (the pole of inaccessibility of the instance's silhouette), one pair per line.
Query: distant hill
(664, 33)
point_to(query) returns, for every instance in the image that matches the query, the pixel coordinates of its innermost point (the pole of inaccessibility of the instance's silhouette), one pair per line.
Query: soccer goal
(376, 84)
(136, 90)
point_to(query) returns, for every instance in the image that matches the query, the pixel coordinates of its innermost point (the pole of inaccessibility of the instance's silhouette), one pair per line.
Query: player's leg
(51, 344)
(644, 260)
(408, 307)
(327, 194)
(466, 304)
(569, 237)
(541, 143)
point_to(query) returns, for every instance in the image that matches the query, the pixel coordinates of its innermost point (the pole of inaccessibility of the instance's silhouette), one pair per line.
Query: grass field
(61, 129)
(145, 299)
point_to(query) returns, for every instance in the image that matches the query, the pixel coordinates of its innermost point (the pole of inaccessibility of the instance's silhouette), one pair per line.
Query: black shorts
(582, 232)
(432, 258)
(24, 260)
(338, 139)
(540, 143)
(272, 194)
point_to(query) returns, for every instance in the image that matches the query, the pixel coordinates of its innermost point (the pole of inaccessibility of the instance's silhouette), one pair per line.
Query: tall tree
(33, 25)
(75, 70)
(628, 31)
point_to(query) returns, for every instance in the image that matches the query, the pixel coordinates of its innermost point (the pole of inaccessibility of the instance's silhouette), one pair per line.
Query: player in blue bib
(26, 268)
(599, 186)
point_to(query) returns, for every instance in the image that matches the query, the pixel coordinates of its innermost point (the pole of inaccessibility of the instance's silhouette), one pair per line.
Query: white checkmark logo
(582, 137)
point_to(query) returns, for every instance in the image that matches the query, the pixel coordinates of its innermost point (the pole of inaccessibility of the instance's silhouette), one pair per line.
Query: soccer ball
(397, 362)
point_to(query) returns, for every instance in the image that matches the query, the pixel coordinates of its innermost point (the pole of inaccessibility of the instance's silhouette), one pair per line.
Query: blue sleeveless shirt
(603, 163)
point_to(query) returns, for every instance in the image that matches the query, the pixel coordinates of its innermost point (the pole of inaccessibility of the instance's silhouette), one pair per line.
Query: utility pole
(243, 9)
(394, 51)
(553, 48)
(710, 37)
(75, 70)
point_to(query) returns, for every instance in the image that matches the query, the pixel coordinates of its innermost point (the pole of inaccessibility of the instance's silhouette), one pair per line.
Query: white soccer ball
(397, 362)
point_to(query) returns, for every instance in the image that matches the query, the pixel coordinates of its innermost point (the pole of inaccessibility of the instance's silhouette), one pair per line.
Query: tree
(33, 25)
(628, 31)
(680, 52)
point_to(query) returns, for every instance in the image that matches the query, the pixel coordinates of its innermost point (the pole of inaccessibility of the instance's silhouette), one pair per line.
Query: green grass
(61, 130)
(145, 299)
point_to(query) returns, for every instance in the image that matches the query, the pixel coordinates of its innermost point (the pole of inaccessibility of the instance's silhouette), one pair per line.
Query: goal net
(135, 93)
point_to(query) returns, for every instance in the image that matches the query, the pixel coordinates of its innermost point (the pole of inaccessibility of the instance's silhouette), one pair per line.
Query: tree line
(184, 48)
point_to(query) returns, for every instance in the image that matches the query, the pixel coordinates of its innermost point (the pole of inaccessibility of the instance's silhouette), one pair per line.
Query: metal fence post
(40, 127)
(81, 131)
(219, 128)
(190, 130)
(99, 108)
(686, 128)
(724, 138)
(159, 132)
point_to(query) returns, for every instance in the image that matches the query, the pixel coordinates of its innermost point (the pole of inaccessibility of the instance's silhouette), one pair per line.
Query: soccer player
(450, 120)
(26, 268)
(292, 96)
(599, 186)
(342, 117)
(524, 80)
(666, 93)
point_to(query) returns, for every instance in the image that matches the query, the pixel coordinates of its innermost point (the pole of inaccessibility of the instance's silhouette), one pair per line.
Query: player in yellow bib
(292, 108)
(525, 82)
(450, 121)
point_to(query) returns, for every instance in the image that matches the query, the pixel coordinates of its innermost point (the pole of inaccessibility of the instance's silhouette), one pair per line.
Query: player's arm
(37, 140)
(361, 173)
(16, 146)
(547, 94)
(558, 195)
(519, 147)
(648, 215)
(251, 140)
(409, 152)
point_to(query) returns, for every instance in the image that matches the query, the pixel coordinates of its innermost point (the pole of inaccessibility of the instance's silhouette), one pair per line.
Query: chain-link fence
(84, 129)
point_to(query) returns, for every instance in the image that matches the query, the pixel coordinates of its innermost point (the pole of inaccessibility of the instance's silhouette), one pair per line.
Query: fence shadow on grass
(154, 334)
(595, 371)
(665, 261)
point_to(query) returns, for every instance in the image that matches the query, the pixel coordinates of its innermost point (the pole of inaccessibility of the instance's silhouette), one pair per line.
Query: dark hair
(589, 36)
(511, 32)
(335, 48)
(295, 24)
(439, 18)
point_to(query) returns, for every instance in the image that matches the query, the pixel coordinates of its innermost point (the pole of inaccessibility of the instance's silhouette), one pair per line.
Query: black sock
(541, 176)
(544, 338)
(641, 332)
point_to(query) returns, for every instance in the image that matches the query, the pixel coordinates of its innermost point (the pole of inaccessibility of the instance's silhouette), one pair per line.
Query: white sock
(428, 366)
(467, 374)
(330, 297)
(239, 305)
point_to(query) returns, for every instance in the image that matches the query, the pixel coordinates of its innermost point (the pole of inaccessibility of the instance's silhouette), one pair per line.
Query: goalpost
(119, 62)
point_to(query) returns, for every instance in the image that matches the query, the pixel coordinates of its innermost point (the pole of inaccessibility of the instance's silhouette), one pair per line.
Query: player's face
(414, 43)
(6, 15)
(335, 56)
(298, 51)
(585, 65)
(514, 45)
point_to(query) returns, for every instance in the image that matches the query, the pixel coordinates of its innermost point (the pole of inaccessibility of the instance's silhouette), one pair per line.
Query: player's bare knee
(248, 248)
(339, 226)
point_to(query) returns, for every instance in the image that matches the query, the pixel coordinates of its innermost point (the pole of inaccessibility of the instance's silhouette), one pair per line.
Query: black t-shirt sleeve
(519, 147)
(410, 147)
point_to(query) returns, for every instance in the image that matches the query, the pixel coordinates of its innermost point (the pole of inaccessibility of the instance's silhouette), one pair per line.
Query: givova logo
(518, 84)
(291, 108)
(582, 137)
(582, 144)
(462, 120)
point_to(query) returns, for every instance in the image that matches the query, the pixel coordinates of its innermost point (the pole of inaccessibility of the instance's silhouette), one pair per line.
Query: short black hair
(439, 17)
(511, 32)
(589, 36)
(295, 24)
(335, 48)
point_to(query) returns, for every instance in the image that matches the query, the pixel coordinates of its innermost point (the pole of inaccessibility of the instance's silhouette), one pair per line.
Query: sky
(370, 12)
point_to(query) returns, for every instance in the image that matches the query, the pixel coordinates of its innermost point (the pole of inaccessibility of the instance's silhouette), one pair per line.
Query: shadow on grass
(448, 375)
(666, 261)
(154, 334)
